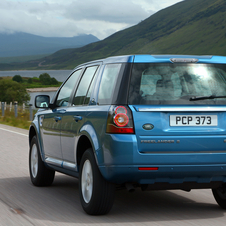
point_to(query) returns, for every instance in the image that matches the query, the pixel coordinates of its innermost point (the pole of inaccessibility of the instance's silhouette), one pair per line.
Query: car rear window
(175, 84)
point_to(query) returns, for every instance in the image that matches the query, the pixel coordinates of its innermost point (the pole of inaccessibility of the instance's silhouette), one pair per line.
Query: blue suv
(149, 121)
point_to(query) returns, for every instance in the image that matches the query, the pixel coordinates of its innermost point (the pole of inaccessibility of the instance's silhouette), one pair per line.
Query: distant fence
(4, 108)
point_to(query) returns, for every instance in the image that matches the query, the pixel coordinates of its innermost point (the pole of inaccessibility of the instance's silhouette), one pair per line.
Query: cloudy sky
(67, 18)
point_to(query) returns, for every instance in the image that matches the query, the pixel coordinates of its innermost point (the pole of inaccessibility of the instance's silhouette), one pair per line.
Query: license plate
(193, 120)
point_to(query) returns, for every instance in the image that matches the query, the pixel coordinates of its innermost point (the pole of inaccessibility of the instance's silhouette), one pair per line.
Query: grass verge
(22, 120)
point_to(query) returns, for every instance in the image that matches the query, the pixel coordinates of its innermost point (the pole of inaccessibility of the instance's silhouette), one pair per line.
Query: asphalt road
(23, 204)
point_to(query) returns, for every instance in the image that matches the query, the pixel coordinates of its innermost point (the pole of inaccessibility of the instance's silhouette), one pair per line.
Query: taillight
(120, 120)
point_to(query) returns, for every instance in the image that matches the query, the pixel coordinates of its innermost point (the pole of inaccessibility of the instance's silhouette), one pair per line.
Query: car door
(75, 117)
(51, 121)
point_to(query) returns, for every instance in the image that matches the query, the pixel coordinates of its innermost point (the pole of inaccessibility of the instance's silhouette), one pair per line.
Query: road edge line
(14, 132)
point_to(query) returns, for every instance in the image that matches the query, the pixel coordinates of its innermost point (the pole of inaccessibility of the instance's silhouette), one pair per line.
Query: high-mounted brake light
(184, 60)
(120, 120)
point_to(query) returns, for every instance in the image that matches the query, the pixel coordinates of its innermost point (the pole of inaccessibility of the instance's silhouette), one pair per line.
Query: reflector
(148, 168)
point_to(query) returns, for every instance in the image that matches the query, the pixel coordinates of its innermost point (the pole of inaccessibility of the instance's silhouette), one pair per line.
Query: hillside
(23, 44)
(188, 27)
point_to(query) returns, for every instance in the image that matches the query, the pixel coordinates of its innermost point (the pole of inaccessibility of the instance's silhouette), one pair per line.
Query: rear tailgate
(180, 129)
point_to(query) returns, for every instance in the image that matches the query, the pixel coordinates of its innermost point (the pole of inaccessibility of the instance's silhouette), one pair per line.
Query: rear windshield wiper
(206, 97)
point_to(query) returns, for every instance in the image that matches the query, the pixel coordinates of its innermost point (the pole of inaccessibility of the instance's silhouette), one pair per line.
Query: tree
(45, 79)
(17, 78)
(11, 91)
(54, 81)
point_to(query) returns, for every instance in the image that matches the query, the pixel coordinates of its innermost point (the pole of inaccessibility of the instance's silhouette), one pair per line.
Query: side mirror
(42, 101)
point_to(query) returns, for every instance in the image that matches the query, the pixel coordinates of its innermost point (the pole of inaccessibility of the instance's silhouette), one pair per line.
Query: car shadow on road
(60, 203)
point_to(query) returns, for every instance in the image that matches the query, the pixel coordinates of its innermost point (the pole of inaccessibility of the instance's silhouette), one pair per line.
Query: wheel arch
(83, 144)
(88, 139)
(33, 132)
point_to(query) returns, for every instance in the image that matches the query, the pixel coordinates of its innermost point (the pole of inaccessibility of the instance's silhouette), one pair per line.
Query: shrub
(45, 79)
(17, 78)
(29, 80)
(11, 91)
(36, 80)
(54, 81)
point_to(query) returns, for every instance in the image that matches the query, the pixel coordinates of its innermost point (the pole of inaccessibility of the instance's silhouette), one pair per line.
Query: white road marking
(14, 132)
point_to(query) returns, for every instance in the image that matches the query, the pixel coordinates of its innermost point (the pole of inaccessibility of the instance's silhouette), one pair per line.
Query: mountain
(188, 27)
(24, 44)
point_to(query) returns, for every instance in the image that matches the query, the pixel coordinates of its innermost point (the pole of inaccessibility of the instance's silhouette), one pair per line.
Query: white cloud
(67, 18)
(116, 11)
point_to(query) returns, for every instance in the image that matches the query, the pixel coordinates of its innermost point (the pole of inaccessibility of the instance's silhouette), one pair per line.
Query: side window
(86, 102)
(65, 92)
(84, 85)
(107, 84)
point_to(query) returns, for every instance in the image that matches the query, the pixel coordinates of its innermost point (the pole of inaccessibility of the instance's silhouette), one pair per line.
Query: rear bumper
(176, 174)
(122, 159)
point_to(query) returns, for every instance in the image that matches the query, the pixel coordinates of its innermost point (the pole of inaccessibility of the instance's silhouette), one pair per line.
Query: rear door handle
(77, 118)
(57, 118)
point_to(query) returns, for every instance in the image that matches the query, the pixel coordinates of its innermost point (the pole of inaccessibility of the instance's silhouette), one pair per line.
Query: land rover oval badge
(148, 126)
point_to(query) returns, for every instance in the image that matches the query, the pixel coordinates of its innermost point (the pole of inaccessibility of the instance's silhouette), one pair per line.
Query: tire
(220, 196)
(40, 175)
(96, 194)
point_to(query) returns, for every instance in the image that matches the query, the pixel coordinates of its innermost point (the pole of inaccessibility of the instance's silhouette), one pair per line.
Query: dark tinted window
(107, 84)
(177, 83)
(65, 92)
(84, 85)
